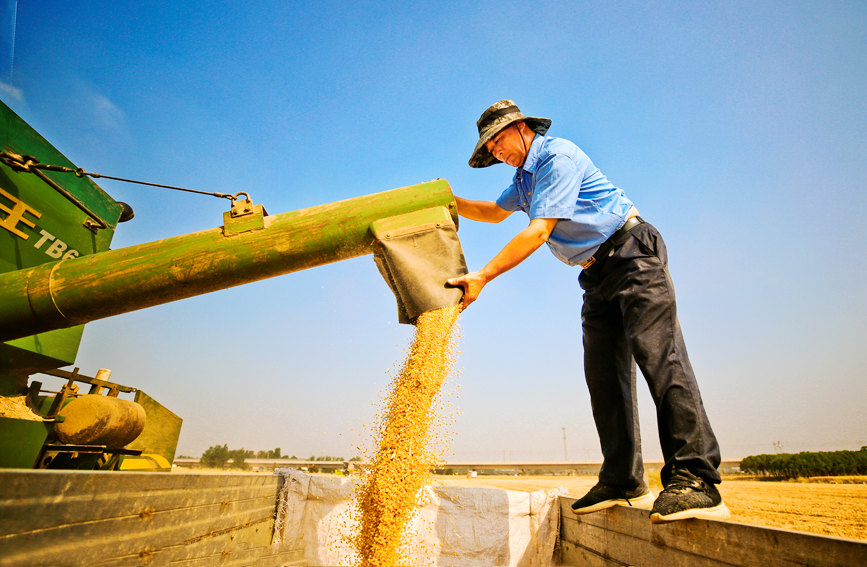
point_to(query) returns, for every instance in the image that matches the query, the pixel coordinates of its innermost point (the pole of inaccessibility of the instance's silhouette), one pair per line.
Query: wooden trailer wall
(111, 519)
(624, 536)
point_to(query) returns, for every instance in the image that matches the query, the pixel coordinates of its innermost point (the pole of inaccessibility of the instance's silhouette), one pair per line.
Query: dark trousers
(630, 316)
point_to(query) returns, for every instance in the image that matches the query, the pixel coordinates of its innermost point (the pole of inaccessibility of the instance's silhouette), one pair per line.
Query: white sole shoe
(643, 502)
(718, 512)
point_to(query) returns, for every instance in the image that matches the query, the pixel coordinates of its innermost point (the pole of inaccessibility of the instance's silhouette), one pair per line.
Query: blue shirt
(558, 181)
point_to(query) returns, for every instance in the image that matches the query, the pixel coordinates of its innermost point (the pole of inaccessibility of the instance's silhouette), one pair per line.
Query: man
(629, 311)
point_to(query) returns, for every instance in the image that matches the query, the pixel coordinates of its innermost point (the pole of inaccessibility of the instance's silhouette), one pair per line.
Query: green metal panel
(38, 225)
(162, 429)
(42, 351)
(20, 442)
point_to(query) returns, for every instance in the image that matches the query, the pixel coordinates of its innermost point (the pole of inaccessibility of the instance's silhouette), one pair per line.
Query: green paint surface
(38, 225)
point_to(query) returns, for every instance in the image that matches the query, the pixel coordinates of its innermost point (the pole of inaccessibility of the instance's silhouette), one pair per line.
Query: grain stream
(387, 497)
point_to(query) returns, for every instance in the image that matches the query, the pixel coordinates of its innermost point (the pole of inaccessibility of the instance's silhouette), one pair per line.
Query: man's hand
(472, 284)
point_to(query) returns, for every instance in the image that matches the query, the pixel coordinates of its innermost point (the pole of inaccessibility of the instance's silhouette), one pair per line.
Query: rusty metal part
(69, 390)
(100, 380)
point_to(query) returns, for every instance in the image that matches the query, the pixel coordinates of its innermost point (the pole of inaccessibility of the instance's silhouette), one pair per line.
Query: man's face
(508, 146)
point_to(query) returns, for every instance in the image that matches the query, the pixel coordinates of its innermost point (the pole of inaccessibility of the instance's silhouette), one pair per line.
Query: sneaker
(604, 496)
(688, 496)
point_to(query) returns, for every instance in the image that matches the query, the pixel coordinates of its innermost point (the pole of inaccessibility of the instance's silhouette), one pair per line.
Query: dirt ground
(838, 510)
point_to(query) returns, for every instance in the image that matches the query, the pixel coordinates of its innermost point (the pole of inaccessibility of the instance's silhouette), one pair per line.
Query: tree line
(794, 465)
(218, 456)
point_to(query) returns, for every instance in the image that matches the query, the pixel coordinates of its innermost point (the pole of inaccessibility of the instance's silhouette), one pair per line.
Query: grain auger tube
(249, 247)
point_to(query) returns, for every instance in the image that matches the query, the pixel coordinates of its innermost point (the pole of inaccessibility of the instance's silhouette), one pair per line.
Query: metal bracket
(91, 225)
(243, 216)
(241, 207)
(69, 390)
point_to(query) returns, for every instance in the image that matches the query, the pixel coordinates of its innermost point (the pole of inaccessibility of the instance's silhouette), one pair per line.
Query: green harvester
(57, 273)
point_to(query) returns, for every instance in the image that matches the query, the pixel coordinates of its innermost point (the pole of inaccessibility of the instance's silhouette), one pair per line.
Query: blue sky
(739, 129)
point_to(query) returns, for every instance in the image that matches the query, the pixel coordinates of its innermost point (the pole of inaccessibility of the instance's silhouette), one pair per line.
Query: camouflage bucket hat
(495, 118)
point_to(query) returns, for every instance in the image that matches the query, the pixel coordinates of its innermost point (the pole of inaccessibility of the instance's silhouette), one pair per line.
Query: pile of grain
(401, 466)
(18, 408)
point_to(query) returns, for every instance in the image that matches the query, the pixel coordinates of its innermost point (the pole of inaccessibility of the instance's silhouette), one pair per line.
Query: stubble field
(838, 510)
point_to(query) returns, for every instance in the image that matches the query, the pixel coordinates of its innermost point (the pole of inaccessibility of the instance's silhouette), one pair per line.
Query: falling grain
(401, 465)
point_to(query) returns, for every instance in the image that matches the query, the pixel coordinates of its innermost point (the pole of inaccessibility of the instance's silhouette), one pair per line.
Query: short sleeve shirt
(558, 181)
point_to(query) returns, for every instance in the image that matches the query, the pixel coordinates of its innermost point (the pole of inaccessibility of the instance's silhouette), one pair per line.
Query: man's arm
(516, 251)
(484, 211)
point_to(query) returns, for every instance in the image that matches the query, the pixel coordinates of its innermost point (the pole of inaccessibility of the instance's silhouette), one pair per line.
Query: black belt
(606, 246)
